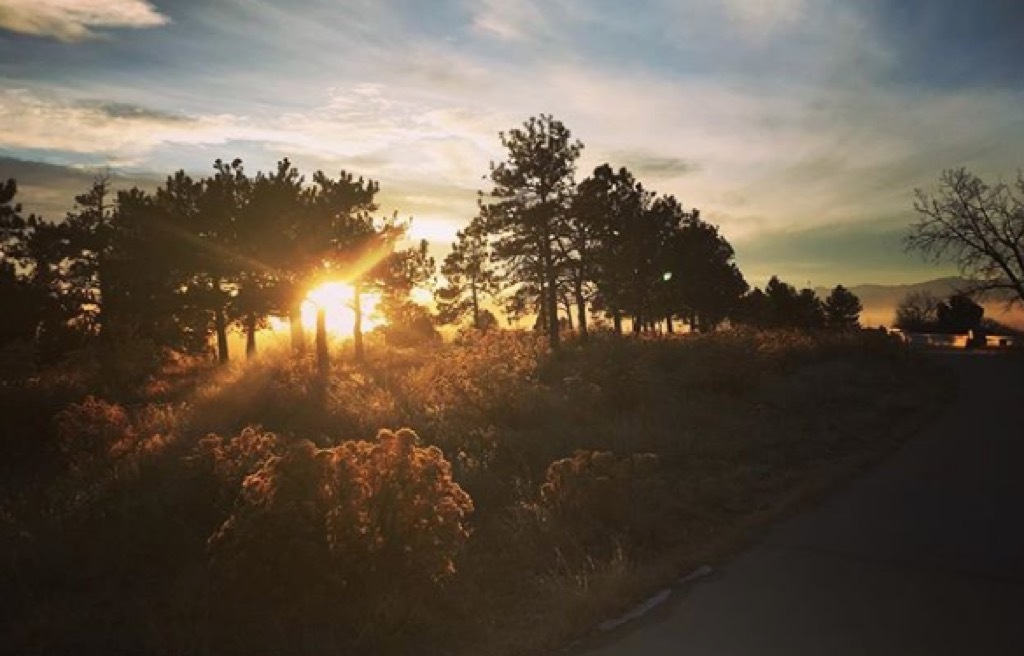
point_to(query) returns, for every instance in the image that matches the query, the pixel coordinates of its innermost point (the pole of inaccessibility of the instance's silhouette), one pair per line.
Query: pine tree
(528, 211)
(351, 246)
(842, 309)
(470, 278)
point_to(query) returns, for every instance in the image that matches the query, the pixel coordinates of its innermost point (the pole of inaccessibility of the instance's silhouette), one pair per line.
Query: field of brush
(480, 496)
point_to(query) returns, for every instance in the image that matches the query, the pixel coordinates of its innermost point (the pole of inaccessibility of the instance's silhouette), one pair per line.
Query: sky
(799, 127)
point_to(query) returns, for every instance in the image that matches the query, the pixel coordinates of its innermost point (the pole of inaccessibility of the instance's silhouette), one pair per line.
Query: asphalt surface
(924, 554)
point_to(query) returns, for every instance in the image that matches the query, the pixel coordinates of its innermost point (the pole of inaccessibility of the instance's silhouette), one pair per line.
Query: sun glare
(336, 298)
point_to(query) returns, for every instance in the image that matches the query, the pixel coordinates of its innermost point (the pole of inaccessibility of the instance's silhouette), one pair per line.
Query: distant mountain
(880, 301)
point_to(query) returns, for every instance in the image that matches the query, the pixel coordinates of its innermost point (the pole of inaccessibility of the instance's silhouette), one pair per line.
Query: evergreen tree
(399, 274)
(842, 309)
(470, 278)
(216, 231)
(84, 267)
(529, 204)
(609, 202)
(280, 239)
(351, 246)
(704, 284)
(780, 305)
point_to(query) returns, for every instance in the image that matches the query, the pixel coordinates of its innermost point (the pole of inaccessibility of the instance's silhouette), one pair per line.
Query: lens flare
(337, 298)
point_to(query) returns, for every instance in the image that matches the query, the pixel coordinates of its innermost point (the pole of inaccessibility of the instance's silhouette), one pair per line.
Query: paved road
(922, 555)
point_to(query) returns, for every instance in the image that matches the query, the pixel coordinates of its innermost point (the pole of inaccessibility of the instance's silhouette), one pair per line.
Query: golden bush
(231, 460)
(93, 430)
(361, 518)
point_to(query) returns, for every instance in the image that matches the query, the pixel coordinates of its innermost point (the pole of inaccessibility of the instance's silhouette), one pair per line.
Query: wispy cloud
(106, 129)
(762, 18)
(76, 20)
(512, 20)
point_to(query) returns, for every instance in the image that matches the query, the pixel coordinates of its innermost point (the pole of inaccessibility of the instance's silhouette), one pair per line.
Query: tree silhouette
(611, 204)
(144, 274)
(220, 206)
(701, 280)
(842, 309)
(586, 227)
(353, 245)
(780, 305)
(181, 208)
(18, 298)
(399, 274)
(199, 256)
(470, 278)
(87, 242)
(917, 311)
(19, 303)
(978, 226)
(528, 210)
(282, 239)
(646, 257)
(274, 217)
(11, 222)
(959, 314)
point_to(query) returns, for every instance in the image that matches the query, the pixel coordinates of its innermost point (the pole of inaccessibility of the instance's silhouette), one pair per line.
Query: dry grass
(746, 428)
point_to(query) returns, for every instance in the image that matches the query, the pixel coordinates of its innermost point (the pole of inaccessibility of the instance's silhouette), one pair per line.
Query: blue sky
(801, 127)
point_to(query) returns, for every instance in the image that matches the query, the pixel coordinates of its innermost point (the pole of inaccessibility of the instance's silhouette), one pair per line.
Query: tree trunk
(323, 364)
(298, 333)
(476, 304)
(581, 310)
(566, 305)
(551, 284)
(250, 335)
(105, 305)
(617, 322)
(220, 325)
(668, 324)
(357, 310)
(637, 324)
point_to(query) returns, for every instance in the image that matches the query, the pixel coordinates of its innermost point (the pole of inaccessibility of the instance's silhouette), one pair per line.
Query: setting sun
(336, 298)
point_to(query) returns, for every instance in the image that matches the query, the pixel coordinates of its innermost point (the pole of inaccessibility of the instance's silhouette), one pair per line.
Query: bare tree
(978, 226)
(917, 311)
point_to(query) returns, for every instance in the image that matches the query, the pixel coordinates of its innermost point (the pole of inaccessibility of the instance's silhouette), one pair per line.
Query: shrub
(90, 431)
(480, 376)
(333, 535)
(596, 494)
(230, 461)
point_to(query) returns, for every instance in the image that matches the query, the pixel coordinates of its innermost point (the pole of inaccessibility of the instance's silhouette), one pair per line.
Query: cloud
(509, 20)
(762, 18)
(129, 111)
(105, 129)
(76, 20)
(654, 165)
(773, 117)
